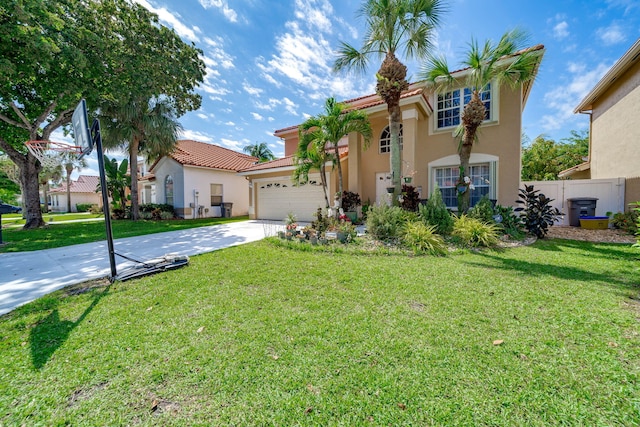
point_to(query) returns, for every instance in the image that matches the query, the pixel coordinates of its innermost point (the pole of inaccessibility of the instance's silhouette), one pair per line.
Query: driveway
(26, 276)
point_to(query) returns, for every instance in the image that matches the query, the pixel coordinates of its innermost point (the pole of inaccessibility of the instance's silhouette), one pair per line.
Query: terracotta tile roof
(194, 153)
(84, 184)
(286, 162)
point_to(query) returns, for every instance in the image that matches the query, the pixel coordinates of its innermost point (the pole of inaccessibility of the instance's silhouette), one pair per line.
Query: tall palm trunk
(472, 117)
(340, 186)
(391, 83)
(133, 168)
(323, 180)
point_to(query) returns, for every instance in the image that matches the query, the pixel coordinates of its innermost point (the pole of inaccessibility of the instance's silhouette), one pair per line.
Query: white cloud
(230, 123)
(560, 31)
(611, 35)
(270, 119)
(316, 13)
(254, 91)
(172, 21)
(257, 116)
(203, 116)
(231, 144)
(563, 99)
(195, 135)
(228, 13)
(290, 106)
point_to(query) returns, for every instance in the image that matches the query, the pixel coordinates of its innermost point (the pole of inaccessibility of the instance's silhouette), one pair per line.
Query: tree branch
(13, 122)
(63, 118)
(16, 157)
(15, 108)
(42, 117)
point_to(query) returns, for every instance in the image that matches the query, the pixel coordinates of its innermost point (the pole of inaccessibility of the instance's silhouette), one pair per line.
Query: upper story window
(450, 104)
(385, 140)
(168, 190)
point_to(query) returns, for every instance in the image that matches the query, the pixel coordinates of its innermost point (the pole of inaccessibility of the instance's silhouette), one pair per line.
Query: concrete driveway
(26, 276)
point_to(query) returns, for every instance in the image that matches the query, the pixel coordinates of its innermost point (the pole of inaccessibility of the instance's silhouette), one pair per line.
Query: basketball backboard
(81, 130)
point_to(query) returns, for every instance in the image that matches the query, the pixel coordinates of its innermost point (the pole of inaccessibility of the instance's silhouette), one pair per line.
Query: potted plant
(350, 203)
(346, 231)
(290, 225)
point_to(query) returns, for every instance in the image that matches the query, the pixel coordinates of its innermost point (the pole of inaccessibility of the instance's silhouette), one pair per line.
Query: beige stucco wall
(59, 201)
(615, 134)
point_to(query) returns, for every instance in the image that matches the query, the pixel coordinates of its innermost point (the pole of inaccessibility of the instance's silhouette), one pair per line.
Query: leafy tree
(393, 27)
(261, 151)
(326, 130)
(118, 180)
(311, 154)
(545, 158)
(147, 126)
(48, 175)
(9, 181)
(502, 62)
(70, 161)
(55, 52)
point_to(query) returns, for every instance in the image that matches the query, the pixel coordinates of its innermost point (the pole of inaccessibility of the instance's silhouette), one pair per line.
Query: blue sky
(269, 62)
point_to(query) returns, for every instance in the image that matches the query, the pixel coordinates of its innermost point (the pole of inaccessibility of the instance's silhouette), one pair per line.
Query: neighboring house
(197, 178)
(614, 109)
(83, 191)
(429, 153)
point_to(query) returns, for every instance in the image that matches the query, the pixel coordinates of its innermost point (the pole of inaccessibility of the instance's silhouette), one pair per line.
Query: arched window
(168, 190)
(385, 140)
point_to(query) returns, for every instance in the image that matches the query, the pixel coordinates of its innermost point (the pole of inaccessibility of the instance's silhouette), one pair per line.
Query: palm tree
(146, 126)
(312, 154)
(47, 175)
(393, 27)
(329, 128)
(506, 62)
(261, 151)
(70, 161)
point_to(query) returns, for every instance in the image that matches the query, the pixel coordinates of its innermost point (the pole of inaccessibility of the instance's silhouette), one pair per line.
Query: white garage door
(277, 197)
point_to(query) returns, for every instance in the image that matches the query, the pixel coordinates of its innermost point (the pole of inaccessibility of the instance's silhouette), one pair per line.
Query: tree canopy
(543, 159)
(53, 53)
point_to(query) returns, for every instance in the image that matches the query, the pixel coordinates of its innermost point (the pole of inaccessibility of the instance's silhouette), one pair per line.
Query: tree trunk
(323, 180)
(340, 186)
(472, 117)
(69, 170)
(29, 171)
(391, 83)
(133, 167)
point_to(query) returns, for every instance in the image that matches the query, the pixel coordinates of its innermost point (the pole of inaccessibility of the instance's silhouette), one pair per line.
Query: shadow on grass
(51, 332)
(578, 248)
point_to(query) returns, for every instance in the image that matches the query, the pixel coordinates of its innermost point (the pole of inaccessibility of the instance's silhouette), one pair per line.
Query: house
(197, 178)
(613, 106)
(429, 153)
(83, 191)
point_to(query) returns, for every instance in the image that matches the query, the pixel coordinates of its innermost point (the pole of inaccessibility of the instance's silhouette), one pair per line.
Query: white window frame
(169, 200)
(215, 190)
(384, 143)
(454, 101)
(453, 163)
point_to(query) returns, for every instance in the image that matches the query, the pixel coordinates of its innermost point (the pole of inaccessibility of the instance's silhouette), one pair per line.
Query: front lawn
(265, 335)
(57, 235)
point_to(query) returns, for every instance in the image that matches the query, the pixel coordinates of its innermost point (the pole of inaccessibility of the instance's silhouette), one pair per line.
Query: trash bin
(226, 210)
(581, 206)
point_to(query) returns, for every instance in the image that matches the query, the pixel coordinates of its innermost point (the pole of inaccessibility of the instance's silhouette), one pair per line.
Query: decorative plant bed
(594, 222)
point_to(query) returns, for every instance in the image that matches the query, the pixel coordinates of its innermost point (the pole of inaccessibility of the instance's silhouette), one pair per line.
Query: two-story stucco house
(613, 106)
(429, 152)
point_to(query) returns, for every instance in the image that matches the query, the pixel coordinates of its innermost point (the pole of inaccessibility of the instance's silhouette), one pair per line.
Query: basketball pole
(97, 141)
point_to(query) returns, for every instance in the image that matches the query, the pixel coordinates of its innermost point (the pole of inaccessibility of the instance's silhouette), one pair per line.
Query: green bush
(95, 209)
(510, 222)
(385, 222)
(422, 238)
(410, 198)
(536, 211)
(435, 213)
(83, 207)
(483, 210)
(157, 211)
(627, 221)
(473, 232)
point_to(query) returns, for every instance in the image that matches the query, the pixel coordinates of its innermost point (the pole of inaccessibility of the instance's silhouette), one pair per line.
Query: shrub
(365, 209)
(95, 209)
(509, 221)
(385, 222)
(410, 198)
(83, 207)
(473, 232)
(483, 210)
(627, 221)
(435, 213)
(422, 238)
(537, 214)
(350, 201)
(321, 223)
(166, 215)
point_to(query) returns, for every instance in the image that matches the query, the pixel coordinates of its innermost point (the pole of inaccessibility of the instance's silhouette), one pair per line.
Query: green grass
(261, 334)
(16, 219)
(57, 235)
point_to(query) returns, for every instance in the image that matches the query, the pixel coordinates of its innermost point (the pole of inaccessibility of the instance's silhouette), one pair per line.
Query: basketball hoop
(47, 152)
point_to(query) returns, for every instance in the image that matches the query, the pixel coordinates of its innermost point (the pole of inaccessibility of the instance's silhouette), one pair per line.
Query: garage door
(278, 196)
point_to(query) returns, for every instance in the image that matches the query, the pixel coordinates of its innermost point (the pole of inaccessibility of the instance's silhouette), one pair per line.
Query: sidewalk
(26, 276)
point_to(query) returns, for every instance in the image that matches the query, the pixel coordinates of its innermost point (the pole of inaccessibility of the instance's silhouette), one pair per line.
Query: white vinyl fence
(609, 192)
